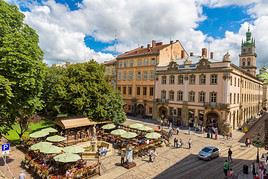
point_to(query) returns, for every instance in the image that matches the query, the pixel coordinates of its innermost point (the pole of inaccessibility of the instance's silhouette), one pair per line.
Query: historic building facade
(202, 91)
(110, 72)
(135, 71)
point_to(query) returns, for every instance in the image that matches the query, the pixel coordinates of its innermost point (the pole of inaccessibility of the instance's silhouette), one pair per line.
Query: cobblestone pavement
(183, 163)
(170, 163)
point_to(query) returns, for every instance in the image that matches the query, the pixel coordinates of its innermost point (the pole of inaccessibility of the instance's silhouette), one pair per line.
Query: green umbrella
(39, 134)
(50, 130)
(128, 135)
(153, 135)
(73, 149)
(56, 138)
(136, 126)
(52, 149)
(40, 145)
(67, 157)
(146, 128)
(108, 126)
(118, 132)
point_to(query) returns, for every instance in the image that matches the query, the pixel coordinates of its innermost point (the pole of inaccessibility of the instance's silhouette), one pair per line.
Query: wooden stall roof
(77, 122)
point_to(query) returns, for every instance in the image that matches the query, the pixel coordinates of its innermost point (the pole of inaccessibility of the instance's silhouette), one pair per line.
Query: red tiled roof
(111, 62)
(143, 51)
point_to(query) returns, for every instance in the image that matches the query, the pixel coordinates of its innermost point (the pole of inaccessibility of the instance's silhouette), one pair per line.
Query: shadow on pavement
(193, 168)
(8, 160)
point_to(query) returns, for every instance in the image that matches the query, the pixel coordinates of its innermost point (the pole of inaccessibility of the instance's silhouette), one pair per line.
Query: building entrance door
(212, 120)
(140, 110)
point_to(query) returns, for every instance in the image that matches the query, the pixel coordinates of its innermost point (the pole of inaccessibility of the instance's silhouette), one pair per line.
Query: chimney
(211, 55)
(153, 43)
(171, 42)
(204, 52)
(191, 54)
(148, 45)
(182, 54)
(142, 46)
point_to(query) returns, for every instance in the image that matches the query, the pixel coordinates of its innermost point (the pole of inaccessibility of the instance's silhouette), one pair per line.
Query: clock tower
(248, 54)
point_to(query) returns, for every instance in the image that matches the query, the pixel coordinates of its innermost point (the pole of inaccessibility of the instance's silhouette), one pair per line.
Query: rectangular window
(191, 96)
(202, 79)
(192, 79)
(150, 110)
(153, 61)
(138, 75)
(120, 64)
(234, 98)
(119, 75)
(171, 79)
(152, 75)
(238, 98)
(139, 62)
(151, 91)
(138, 91)
(164, 80)
(180, 79)
(129, 90)
(125, 64)
(163, 94)
(125, 76)
(146, 61)
(130, 75)
(230, 98)
(179, 96)
(171, 111)
(235, 81)
(238, 82)
(145, 74)
(179, 112)
(124, 90)
(119, 88)
(171, 95)
(202, 96)
(213, 97)
(131, 64)
(231, 81)
(214, 79)
(144, 91)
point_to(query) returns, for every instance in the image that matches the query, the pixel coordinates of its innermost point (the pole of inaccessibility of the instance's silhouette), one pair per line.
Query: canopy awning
(77, 122)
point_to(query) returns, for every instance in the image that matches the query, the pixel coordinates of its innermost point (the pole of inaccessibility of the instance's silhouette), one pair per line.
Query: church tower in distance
(248, 54)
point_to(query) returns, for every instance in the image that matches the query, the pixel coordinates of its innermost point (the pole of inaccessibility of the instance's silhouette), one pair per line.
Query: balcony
(211, 105)
(161, 101)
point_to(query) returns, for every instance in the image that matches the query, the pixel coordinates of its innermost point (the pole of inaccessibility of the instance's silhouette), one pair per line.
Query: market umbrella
(56, 138)
(50, 130)
(128, 135)
(146, 128)
(108, 126)
(67, 157)
(73, 149)
(39, 134)
(40, 145)
(118, 132)
(153, 135)
(136, 126)
(52, 149)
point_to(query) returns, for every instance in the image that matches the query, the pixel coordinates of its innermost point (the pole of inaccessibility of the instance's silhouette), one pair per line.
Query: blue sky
(218, 21)
(86, 29)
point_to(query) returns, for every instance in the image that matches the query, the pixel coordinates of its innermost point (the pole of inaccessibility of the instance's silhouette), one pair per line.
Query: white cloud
(136, 23)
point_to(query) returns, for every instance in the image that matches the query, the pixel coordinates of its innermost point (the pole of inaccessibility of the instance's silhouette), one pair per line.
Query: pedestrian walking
(175, 142)
(230, 152)
(181, 143)
(189, 130)
(190, 143)
(253, 169)
(225, 167)
(150, 155)
(178, 130)
(122, 157)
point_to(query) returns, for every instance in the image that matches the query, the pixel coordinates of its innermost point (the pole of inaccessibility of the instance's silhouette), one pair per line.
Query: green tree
(81, 90)
(21, 69)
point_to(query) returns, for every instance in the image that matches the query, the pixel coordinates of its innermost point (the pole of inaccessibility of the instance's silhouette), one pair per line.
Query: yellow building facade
(135, 73)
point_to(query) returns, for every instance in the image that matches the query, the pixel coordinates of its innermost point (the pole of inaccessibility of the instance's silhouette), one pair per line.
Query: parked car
(208, 153)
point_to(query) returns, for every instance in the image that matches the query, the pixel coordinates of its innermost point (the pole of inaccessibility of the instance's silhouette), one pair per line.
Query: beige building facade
(110, 72)
(135, 71)
(204, 92)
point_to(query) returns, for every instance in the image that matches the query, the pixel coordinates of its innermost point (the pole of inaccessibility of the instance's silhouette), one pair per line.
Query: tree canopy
(21, 69)
(81, 90)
